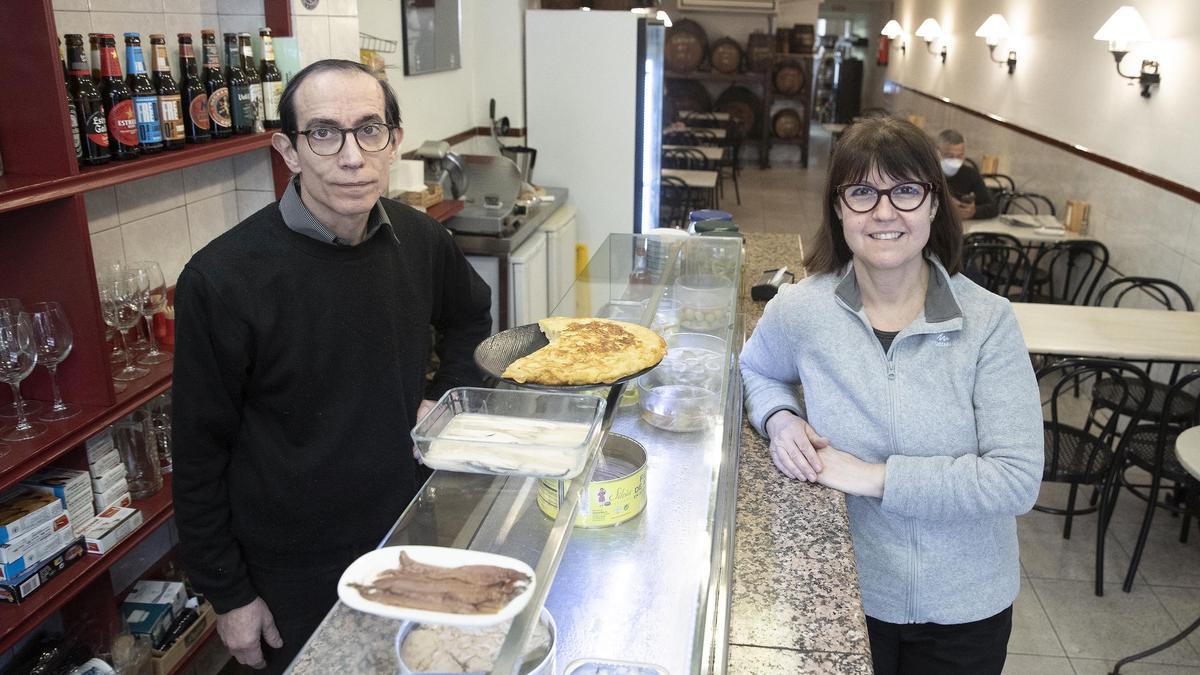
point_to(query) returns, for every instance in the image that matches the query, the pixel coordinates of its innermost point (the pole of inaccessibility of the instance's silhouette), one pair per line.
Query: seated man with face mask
(969, 196)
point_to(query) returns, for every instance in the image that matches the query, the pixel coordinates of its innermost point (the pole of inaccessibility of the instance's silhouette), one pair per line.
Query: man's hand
(846, 473)
(241, 630)
(794, 446)
(965, 210)
(425, 407)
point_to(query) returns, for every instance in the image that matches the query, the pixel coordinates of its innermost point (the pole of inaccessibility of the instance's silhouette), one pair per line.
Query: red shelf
(207, 635)
(17, 191)
(17, 620)
(60, 437)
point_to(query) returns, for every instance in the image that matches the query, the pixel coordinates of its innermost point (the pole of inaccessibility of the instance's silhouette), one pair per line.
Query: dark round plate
(497, 353)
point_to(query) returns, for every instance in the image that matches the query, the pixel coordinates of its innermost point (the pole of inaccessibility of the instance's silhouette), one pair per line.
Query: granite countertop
(796, 605)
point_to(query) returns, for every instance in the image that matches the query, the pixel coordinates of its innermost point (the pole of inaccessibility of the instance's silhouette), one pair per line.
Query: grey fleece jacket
(952, 409)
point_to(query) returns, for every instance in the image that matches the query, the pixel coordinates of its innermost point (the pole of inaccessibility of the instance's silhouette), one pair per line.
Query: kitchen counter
(796, 605)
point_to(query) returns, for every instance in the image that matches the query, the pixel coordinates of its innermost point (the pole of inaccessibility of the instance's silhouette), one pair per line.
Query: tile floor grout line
(1037, 596)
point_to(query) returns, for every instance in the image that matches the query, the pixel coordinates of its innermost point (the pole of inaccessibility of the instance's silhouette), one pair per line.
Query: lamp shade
(929, 30)
(994, 30)
(1123, 28)
(892, 30)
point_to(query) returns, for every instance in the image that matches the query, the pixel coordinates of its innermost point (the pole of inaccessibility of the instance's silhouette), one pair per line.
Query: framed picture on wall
(431, 30)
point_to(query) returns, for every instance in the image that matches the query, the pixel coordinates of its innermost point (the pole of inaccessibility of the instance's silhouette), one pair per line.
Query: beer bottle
(251, 73)
(240, 104)
(85, 98)
(72, 115)
(118, 102)
(94, 41)
(170, 113)
(214, 86)
(191, 89)
(272, 82)
(145, 101)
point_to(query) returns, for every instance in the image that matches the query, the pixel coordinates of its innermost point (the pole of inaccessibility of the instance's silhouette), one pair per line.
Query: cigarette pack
(36, 552)
(18, 589)
(111, 478)
(68, 485)
(103, 463)
(153, 621)
(110, 528)
(103, 500)
(149, 592)
(98, 445)
(82, 515)
(17, 548)
(22, 509)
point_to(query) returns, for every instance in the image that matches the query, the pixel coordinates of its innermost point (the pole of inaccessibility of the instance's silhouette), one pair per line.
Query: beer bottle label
(74, 128)
(149, 129)
(96, 128)
(245, 105)
(272, 92)
(171, 114)
(160, 58)
(218, 108)
(256, 105)
(198, 110)
(122, 123)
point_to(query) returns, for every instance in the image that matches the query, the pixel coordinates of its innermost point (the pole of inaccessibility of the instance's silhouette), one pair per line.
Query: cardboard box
(149, 592)
(110, 479)
(99, 444)
(22, 509)
(110, 528)
(149, 620)
(36, 552)
(16, 549)
(166, 660)
(121, 501)
(17, 590)
(103, 500)
(69, 485)
(104, 463)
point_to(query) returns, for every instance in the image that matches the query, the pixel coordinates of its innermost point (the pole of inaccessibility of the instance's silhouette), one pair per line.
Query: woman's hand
(846, 473)
(794, 446)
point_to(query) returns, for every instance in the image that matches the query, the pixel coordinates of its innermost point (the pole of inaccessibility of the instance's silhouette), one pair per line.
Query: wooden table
(1110, 332)
(699, 180)
(712, 153)
(715, 132)
(1026, 235)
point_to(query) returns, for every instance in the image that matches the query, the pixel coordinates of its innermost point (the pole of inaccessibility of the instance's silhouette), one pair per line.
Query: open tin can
(617, 491)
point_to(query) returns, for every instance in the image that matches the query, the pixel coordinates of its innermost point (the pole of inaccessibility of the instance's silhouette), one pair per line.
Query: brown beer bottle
(272, 82)
(118, 102)
(240, 104)
(72, 114)
(85, 97)
(191, 90)
(214, 86)
(252, 79)
(170, 106)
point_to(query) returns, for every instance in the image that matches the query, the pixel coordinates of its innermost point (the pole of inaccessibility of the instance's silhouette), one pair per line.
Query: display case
(651, 589)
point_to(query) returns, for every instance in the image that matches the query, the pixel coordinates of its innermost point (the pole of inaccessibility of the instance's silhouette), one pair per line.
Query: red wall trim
(1132, 171)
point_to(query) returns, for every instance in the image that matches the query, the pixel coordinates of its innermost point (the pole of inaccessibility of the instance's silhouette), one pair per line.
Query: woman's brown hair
(899, 150)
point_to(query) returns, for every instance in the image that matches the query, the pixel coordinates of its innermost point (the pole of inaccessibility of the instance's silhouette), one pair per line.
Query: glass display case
(654, 587)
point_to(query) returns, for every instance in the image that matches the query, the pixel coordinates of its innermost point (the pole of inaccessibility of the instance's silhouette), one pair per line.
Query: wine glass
(18, 356)
(154, 298)
(53, 338)
(121, 307)
(9, 410)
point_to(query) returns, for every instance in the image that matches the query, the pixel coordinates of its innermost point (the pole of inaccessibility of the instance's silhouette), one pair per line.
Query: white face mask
(950, 165)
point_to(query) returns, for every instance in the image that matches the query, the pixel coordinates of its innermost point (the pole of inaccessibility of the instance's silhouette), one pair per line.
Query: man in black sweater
(969, 195)
(302, 344)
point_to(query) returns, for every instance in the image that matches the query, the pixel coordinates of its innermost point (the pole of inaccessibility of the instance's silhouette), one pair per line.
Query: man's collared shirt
(300, 220)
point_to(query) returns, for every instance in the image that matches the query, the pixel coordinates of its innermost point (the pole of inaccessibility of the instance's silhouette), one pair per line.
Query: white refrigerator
(593, 89)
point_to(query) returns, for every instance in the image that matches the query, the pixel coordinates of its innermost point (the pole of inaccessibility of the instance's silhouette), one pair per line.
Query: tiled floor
(1059, 625)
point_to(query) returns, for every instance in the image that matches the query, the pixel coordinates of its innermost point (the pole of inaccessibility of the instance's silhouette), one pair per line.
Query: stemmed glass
(153, 290)
(121, 307)
(18, 356)
(53, 338)
(9, 410)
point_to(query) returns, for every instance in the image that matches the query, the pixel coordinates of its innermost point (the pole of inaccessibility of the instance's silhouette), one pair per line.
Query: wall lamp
(994, 31)
(893, 31)
(1124, 29)
(929, 30)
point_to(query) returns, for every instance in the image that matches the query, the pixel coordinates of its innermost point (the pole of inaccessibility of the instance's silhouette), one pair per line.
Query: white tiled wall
(1148, 231)
(169, 217)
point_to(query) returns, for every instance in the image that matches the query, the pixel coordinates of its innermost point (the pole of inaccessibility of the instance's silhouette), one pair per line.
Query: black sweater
(968, 181)
(299, 367)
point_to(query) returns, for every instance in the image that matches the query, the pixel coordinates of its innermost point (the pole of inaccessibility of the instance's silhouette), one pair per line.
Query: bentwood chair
(1080, 444)
(1067, 272)
(1150, 446)
(675, 202)
(1002, 268)
(685, 158)
(1029, 203)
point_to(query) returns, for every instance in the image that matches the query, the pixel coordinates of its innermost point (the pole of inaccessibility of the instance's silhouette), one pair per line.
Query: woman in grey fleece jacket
(919, 402)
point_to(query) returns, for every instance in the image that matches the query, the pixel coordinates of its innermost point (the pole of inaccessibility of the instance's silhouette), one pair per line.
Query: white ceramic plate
(368, 566)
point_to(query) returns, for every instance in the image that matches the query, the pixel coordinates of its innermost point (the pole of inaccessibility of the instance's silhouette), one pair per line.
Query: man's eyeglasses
(861, 198)
(371, 137)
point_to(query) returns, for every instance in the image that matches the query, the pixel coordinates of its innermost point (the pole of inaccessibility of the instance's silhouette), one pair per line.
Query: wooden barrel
(787, 123)
(803, 40)
(726, 56)
(687, 95)
(685, 47)
(745, 106)
(791, 78)
(758, 51)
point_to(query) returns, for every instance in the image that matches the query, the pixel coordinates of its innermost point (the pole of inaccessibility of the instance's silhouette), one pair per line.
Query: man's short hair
(947, 137)
(287, 102)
